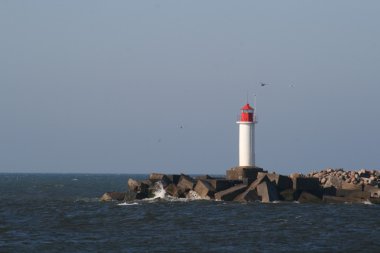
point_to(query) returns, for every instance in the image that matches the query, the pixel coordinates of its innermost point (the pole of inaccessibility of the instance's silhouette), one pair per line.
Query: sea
(62, 213)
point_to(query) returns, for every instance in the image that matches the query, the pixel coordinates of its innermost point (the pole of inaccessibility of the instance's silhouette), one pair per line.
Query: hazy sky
(104, 86)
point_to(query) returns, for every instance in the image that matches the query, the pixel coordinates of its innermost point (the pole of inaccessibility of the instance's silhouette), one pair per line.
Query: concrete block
(261, 177)
(240, 173)
(204, 177)
(333, 181)
(137, 186)
(248, 195)
(329, 191)
(109, 196)
(287, 195)
(230, 193)
(204, 189)
(353, 194)
(172, 190)
(307, 197)
(349, 186)
(185, 183)
(174, 178)
(223, 184)
(306, 184)
(347, 199)
(163, 178)
(282, 182)
(374, 191)
(267, 191)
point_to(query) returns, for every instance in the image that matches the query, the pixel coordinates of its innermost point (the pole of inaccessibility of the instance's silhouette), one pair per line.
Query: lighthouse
(246, 124)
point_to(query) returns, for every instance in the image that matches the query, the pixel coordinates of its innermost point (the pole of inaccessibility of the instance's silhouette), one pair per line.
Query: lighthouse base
(246, 173)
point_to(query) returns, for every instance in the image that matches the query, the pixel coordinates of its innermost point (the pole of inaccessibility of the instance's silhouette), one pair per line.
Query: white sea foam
(161, 194)
(128, 204)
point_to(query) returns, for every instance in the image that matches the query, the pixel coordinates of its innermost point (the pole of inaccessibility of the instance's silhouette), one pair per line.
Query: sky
(156, 86)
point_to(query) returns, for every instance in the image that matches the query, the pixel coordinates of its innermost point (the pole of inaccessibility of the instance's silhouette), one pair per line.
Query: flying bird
(264, 84)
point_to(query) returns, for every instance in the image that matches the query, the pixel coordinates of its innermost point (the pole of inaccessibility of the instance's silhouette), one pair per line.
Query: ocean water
(62, 213)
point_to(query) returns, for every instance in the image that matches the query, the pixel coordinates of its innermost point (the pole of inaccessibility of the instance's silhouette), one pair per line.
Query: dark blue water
(61, 213)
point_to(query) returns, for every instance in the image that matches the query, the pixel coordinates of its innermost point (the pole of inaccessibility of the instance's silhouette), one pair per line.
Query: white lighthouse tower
(247, 123)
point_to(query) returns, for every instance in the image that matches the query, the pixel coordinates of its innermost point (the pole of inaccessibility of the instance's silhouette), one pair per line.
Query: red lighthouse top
(246, 113)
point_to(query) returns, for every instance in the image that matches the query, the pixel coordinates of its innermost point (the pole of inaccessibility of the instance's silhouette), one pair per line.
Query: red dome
(247, 107)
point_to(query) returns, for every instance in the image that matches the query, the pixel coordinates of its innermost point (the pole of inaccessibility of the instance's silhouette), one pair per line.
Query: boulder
(351, 195)
(349, 186)
(330, 191)
(373, 191)
(306, 184)
(345, 199)
(204, 177)
(204, 189)
(230, 193)
(307, 197)
(109, 196)
(185, 183)
(133, 185)
(163, 178)
(287, 195)
(174, 178)
(137, 186)
(261, 177)
(248, 195)
(282, 182)
(173, 191)
(333, 181)
(223, 184)
(267, 191)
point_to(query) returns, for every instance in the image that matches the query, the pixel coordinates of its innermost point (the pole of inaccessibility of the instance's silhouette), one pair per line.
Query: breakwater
(253, 184)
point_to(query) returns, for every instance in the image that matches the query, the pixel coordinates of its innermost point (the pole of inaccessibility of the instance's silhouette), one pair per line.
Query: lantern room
(246, 113)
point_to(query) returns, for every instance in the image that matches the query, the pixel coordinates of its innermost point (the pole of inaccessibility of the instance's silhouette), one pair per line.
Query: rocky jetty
(352, 179)
(248, 184)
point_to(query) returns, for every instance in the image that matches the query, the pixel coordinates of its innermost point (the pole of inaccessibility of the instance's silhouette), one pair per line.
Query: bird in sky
(264, 84)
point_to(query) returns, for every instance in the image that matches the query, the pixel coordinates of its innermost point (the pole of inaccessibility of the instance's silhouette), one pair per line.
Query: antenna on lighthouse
(255, 108)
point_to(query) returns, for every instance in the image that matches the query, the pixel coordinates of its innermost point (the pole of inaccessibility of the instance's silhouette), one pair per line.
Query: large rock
(282, 182)
(287, 195)
(260, 178)
(306, 184)
(137, 186)
(204, 177)
(354, 198)
(330, 191)
(222, 184)
(248, 195)
(173, 191)
(174, 178)
(349, 186)
(158, 177)
(185, 183)
(333, 181)
(204, 189)
(109, 196)
(353, 194)
(267, 191)
(373, 191)
(230, 193)
(307, 197)
(243, 172)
